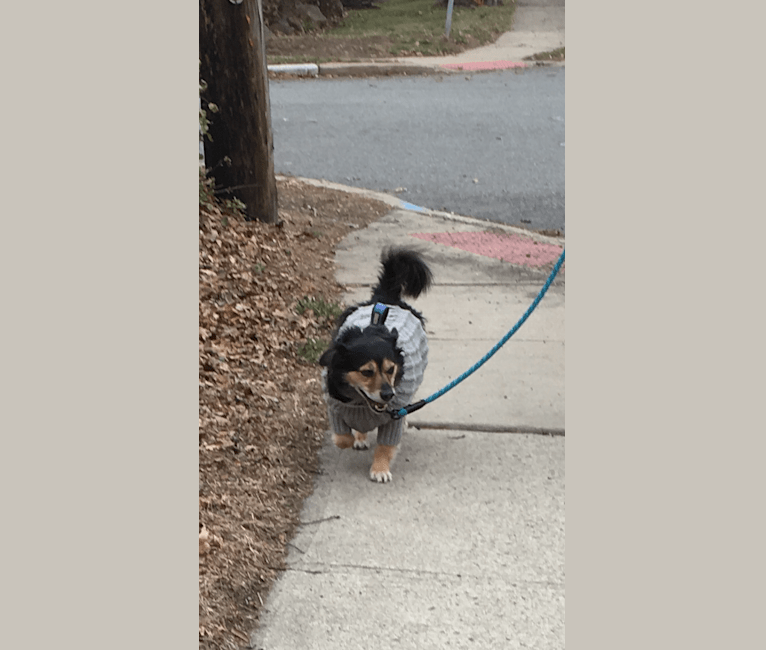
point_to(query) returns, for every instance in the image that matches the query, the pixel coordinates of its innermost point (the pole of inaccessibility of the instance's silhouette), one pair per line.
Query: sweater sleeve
(390, 433)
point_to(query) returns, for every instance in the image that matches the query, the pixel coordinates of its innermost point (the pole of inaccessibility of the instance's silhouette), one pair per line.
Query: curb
(398, 69)
(300, 69)
(356, 69)
(397, 203)
(371, 69)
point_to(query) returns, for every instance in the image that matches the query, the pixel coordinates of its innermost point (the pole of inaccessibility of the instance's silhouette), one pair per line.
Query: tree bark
(233, 63)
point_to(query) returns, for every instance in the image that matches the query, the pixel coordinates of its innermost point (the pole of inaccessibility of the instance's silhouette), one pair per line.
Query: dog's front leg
(355, 439)
(343, 440)
(381, 463)
(360, 440)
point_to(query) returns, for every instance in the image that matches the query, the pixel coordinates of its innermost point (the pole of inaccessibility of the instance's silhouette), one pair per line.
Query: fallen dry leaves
(261, 415)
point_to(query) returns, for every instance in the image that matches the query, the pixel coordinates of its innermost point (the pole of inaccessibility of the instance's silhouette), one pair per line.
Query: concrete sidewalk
(465, 548)
(538, 27)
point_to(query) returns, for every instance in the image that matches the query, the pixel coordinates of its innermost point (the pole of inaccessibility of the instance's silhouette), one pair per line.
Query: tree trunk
(233, 63)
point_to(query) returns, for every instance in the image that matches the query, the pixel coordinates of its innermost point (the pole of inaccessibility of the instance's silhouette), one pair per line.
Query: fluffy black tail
(404, 274)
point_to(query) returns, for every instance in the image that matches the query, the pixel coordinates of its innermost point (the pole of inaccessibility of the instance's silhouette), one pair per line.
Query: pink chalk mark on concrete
(508, 248)
(485, 65)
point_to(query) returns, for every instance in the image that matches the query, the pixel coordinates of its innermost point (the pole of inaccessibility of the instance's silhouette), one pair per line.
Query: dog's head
(366, 363)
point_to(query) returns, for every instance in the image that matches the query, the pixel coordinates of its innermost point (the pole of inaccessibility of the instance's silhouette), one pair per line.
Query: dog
(376, 360)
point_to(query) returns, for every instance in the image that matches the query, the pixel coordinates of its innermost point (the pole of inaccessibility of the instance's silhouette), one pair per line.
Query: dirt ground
(261, 415)
(321, 47)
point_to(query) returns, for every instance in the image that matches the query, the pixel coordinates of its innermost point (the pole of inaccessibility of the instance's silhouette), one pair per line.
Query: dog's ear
(393, 339)
(349, 335)
(339, 348)
(326, 358)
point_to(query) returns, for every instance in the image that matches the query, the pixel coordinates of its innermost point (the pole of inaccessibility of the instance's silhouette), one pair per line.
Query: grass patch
(312, 349)
(320, 307)
(417, 26)
(281, 59)
(553, 55)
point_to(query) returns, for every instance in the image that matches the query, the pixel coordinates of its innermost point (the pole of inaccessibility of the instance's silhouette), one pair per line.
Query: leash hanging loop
(418, 405)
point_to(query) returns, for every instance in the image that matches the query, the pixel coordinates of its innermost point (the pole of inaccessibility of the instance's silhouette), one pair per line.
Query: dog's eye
(390, 371)
(367, 373)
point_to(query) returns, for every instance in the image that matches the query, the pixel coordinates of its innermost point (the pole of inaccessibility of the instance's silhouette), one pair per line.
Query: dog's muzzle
(375, 406)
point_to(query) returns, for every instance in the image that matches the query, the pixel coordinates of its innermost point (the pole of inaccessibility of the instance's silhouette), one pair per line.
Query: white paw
(381, 477)
(361, 444)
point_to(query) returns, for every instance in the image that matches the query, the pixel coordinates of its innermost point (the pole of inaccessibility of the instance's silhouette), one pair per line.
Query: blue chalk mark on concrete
(413, 207)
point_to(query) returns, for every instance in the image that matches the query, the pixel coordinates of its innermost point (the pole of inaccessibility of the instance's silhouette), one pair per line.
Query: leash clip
(397, 414)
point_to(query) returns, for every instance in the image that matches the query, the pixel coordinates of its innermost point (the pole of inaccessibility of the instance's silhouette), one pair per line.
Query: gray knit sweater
(413, 343)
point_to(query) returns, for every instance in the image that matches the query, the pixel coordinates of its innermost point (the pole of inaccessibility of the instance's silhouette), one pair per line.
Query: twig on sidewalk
(319, 521)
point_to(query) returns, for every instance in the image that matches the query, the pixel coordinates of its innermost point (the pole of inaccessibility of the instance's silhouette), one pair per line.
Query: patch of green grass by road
(554, 55)
(417, 26)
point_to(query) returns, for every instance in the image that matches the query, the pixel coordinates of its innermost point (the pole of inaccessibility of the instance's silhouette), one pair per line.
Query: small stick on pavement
(318, 521)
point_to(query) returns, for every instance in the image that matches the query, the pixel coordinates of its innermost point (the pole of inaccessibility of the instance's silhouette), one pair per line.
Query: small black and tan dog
(376, 360)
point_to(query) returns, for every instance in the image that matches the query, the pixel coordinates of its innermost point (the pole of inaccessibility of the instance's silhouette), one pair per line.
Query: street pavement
(486, 145)
(465, 547)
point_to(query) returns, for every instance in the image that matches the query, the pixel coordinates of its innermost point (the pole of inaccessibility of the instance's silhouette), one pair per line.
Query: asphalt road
(487, 145)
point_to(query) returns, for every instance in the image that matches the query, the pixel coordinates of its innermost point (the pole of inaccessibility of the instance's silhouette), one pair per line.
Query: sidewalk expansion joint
(486, 428)
(329, 569)
(435, 285)
(476, 339)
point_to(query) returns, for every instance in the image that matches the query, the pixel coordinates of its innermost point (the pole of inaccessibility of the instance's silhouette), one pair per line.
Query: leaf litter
(261, 415)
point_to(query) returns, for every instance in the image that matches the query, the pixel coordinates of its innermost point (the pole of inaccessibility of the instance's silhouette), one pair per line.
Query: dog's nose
(386, 392)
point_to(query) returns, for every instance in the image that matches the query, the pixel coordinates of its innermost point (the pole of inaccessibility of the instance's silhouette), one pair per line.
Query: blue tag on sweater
(379, 313)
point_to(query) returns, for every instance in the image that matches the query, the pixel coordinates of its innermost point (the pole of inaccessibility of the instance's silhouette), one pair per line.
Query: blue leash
(419, 405)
